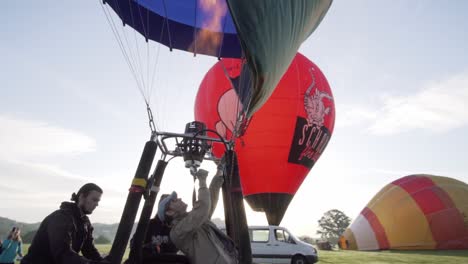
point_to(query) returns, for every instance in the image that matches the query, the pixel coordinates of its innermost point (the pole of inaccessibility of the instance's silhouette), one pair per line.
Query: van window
(259, 235)
(283, 236)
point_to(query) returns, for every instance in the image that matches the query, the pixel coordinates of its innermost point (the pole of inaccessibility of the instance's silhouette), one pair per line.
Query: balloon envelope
(414, 212)
(230, 29)
(284, 138)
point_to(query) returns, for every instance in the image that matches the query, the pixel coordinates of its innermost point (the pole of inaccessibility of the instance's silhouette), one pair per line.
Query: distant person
(67, 232)
(193, 232)
(11, 247)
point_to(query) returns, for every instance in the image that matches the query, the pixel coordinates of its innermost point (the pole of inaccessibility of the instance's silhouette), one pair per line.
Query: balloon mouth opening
(273, 204)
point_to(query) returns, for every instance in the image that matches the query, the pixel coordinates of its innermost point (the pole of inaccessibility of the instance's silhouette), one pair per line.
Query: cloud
(437, 107)
(25, 138)
(37, 178)
(354, 115)
(36, 189)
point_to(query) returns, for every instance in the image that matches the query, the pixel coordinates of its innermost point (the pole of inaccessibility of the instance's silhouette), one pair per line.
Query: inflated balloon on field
(414, 212)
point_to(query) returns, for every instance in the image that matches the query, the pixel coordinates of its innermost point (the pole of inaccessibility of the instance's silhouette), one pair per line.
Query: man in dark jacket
(66, 232)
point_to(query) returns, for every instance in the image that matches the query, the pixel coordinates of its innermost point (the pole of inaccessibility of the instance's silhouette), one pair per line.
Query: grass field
(387, 257)
(375, 257)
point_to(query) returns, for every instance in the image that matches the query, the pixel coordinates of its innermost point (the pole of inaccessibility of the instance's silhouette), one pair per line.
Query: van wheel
(298, 260)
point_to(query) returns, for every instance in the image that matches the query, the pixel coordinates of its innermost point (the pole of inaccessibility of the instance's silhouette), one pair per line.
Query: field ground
(393, 256)
(372, 257)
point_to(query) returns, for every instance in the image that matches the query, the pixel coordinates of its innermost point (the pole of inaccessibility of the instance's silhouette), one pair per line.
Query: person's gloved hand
(201, 175)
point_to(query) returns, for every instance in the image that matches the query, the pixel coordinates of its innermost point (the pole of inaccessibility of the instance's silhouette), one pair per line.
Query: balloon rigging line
(157, 57)
(132, 58)
(138, 60)
(135, 59)
(125, 48)
(152, 83)
(148, 68)
(121, 45)
(167, 25)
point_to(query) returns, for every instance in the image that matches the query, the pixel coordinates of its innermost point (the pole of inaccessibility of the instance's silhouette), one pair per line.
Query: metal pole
(140, 233)
(136, 190)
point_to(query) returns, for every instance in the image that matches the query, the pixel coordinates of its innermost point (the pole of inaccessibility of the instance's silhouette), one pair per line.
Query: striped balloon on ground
(413, 212)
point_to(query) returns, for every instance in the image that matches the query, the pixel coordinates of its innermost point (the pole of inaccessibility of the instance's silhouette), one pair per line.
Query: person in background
(11, 247)
(67, 232)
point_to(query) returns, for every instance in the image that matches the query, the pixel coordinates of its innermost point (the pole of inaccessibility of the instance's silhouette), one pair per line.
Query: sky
(70, 112)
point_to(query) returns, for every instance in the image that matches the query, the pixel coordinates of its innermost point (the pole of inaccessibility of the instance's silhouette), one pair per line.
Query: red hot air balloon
(283, 140)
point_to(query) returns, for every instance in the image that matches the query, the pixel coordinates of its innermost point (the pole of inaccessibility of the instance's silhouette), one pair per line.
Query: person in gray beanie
(193, 232)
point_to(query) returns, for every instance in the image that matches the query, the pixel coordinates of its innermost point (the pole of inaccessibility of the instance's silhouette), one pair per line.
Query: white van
(275, 244)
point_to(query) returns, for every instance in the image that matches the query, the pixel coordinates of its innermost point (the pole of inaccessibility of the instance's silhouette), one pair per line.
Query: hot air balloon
(229, 29)
(414, 212)
(251, 30)
(285, 137)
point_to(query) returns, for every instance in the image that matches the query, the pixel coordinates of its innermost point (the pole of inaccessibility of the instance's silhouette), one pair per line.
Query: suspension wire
(134, 61)
(148, 56)
(132, 56)
(155, 68)
(137, 47)
(157, 56)
(149, 87)
(145, 25)
(125, 53)
(168, 28)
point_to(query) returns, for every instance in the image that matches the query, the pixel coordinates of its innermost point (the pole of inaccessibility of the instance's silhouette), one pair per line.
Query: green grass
(367, 257)
(394, 256)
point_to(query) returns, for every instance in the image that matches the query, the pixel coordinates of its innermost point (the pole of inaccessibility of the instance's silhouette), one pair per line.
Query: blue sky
(70, 111)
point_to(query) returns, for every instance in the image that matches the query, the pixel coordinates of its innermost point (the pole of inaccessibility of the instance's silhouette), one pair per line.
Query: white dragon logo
(313, 104)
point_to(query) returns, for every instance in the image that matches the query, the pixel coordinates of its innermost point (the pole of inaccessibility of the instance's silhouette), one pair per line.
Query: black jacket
(61, 236)
(157, 237)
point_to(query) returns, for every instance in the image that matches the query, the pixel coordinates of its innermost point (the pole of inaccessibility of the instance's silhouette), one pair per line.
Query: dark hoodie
(61, 236)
